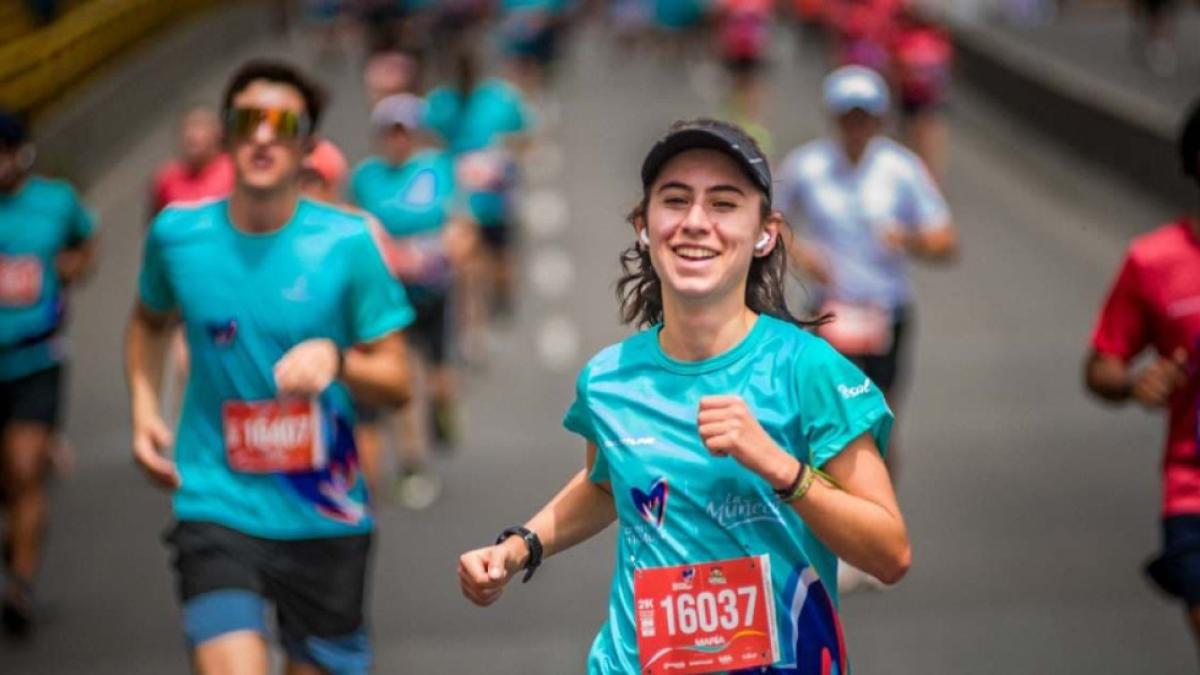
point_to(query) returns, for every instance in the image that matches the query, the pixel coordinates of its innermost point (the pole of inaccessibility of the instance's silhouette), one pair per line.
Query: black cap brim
(748, 158)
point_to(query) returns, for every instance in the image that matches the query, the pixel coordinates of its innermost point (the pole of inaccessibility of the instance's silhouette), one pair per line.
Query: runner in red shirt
(201, 171)
(1155, 303)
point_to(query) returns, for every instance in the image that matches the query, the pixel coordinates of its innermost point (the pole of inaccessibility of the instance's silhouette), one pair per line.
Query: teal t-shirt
(639, 407)
(41, 219)
(478, 123)
(245, 300)
(413, 202)
(679, 14)
(414, 198)
(480, 119)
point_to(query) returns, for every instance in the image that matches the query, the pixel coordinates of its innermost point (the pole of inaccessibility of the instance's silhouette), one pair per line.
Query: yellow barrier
(38, 66)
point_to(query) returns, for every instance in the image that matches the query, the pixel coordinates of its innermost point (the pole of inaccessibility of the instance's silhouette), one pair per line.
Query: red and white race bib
(858, 330)
(20, 280)
(276, 436)
(706, 618)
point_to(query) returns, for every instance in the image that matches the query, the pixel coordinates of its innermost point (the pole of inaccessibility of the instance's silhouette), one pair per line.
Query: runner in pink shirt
(201, 171)
(1155, 304)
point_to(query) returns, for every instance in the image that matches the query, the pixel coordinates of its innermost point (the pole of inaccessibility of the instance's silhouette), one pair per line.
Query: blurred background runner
(47, 246)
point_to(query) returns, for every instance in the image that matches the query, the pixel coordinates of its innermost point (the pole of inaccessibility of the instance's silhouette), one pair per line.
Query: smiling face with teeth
(703, 217)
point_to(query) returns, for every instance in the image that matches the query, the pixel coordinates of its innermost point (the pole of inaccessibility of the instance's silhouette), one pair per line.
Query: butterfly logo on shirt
(652, 505)
(222, 333)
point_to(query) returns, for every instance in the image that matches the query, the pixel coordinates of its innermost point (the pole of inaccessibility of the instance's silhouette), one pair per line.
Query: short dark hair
(282, 73)
(1189, 142)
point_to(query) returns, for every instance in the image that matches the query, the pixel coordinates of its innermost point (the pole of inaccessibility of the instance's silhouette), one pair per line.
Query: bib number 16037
(706, 611)
(705, 617)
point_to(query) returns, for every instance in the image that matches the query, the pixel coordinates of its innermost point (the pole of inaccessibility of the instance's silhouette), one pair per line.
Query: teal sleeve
(154, 288)
(578, 420)
(518, 121)
(82, 222)
(439, 113)
(378, 304)
(838, 404)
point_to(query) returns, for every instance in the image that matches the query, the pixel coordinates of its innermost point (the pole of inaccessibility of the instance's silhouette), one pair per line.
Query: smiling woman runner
(740, 454)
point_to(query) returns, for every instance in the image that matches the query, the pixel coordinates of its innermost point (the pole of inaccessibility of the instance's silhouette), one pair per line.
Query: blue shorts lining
(211, 615)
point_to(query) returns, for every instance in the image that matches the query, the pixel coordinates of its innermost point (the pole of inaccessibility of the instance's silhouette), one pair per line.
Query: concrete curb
(1130, 135)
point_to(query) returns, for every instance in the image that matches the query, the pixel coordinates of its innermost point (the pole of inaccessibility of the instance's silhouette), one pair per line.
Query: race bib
(858, 330)
(706, 618)
(20, 280)
(276, 436)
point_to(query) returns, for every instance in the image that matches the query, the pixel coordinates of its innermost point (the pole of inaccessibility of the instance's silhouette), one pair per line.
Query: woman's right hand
(484, 572)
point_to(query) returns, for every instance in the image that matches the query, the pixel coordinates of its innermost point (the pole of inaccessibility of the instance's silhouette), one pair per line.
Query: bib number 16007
(705, 617)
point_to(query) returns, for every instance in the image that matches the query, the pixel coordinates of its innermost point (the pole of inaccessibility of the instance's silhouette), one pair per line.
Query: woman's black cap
(721, 136)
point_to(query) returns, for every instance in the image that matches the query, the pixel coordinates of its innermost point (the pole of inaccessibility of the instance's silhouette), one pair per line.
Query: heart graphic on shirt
(652, 505)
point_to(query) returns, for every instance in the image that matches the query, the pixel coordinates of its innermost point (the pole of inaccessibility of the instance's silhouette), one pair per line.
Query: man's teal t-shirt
(37, 222)
(245, 300)
(639, 407)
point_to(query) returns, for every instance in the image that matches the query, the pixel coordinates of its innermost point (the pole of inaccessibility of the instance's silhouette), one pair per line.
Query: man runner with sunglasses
(273, 290)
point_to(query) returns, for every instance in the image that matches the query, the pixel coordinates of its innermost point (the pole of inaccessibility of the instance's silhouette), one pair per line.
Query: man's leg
(25, 461)
(243, 652)
(25, 448)
(298, 668)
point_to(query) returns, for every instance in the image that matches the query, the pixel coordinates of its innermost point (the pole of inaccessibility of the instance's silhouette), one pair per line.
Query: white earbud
(644, 237)
(763, 242)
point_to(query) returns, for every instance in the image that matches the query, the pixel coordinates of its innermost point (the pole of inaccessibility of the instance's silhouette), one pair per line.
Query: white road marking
(558, 343)
(545, 163)
(551, 272)
(544, 212)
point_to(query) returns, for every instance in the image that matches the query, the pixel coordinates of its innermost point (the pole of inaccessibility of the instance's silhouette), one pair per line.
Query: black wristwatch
(532, 542)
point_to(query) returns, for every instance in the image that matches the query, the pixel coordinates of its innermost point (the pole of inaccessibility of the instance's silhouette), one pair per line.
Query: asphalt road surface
(1031, 508)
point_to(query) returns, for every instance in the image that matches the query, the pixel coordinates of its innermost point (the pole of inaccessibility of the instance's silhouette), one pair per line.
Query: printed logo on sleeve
(854, 392)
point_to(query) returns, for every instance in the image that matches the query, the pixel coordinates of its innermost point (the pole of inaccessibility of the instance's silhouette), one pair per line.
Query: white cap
(398, 109)
(851, 87)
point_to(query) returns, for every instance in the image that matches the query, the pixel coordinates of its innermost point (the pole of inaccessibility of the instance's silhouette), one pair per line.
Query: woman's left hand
(728, 428)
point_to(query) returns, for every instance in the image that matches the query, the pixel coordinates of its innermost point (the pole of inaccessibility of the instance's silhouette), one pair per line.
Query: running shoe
(444, 423)
(16, 610)
(418, 489)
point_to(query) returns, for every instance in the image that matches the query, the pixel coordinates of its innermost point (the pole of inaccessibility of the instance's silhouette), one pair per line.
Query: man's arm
(1112, 379)
(76, 262)
(146, 338)
(376, 372)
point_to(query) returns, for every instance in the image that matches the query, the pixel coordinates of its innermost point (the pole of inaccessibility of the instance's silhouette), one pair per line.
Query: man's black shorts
(36, 397)
(227, 579)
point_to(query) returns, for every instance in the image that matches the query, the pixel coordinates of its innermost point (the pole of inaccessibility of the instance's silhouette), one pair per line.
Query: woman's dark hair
(639, 289)
(282, 73)
(1189, 142)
